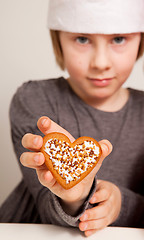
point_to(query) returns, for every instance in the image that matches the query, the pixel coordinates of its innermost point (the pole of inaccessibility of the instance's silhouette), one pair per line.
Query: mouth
(100, 82)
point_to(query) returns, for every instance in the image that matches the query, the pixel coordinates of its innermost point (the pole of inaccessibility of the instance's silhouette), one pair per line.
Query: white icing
(68, 161)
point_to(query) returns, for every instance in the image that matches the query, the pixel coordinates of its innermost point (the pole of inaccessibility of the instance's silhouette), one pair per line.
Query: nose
(100, 59)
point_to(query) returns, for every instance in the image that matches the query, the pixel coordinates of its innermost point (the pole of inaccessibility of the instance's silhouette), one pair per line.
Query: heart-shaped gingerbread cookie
(70, 162)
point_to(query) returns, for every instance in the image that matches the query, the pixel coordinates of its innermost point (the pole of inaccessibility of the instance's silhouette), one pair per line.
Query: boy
(98, 43)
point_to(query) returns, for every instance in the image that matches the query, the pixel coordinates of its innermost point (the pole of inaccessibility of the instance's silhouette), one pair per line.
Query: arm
(73, 201)
(26, 107)
(112, 205)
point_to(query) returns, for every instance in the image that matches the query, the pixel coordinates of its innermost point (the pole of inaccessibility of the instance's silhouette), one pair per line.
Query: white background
(26, 54)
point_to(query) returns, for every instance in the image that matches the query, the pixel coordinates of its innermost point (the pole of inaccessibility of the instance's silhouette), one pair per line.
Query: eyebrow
(80, 34)
(87, 35)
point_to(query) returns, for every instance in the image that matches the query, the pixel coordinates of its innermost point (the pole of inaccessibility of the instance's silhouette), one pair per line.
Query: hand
(108, 199)
(73, 197)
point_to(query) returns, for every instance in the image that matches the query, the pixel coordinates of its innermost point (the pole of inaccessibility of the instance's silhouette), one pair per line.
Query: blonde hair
(59, 54)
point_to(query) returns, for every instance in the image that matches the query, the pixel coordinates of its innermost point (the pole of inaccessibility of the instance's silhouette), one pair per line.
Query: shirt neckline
(118, 112)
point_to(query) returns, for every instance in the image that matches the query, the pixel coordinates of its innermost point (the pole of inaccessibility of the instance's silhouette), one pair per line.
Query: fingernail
(89, 233)
(85, 226)
(36, 139)
(36, 158)
(84, 217)
(105, 147)
(93, 200)
(43, 121)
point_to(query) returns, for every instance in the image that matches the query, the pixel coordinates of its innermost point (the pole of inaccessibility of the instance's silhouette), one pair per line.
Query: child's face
(98, 64)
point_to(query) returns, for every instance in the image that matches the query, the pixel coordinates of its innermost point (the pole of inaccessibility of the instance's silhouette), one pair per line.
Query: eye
(82, 40)
(119, 40)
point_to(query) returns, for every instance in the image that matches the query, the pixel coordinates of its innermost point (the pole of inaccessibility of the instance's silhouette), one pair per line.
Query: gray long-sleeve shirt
(30, 201)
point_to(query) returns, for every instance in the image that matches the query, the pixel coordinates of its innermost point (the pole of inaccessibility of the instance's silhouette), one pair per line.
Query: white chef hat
(96, 16)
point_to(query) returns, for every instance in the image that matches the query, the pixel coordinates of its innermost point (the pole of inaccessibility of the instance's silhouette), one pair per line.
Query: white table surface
(45, 232)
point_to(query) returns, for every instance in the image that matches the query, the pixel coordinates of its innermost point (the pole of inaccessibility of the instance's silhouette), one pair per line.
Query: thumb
(106, 147)
(46, 125)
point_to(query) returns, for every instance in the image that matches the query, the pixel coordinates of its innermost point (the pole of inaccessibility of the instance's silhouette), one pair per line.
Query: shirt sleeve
(52, 211)
(26, 107)
(132, 209)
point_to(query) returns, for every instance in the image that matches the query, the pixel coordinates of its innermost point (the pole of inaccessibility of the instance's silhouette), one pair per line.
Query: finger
(46, 125)
(47, 179)
(100, 211)
(100, 196)
(90, 232)
(93, 224)
(106, 147)
(32, 142)
(32, 160)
